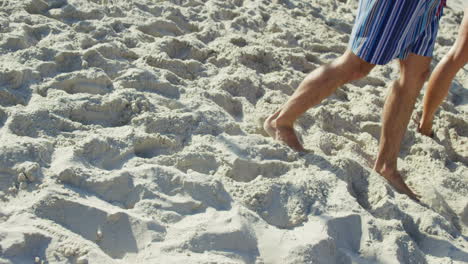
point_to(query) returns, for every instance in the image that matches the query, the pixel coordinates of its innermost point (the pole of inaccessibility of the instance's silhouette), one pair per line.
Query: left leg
(398, 107)
(442, 77)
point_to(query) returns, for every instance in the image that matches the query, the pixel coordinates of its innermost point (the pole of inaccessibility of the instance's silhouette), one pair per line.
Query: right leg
(318, 85)
(442, 77)
(397, 111)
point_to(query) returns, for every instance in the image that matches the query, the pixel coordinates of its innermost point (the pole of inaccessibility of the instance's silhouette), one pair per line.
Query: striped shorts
(389, 29)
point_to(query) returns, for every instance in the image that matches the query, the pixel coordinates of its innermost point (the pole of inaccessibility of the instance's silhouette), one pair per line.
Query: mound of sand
(131, 133)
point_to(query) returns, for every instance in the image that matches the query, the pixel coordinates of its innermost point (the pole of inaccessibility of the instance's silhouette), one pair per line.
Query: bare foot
(288, 136)
(424, 129)
(284, 134)
(394, 178)
(268, 126)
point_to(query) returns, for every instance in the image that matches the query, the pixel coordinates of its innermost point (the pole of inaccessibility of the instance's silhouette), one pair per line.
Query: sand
(131, 133)
(457, 5)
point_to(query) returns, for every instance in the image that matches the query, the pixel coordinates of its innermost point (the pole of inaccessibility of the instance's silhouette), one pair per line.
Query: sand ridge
(131, 133)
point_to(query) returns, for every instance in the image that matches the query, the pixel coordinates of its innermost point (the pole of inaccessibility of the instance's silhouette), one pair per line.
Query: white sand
(457, 5)
(131, 133)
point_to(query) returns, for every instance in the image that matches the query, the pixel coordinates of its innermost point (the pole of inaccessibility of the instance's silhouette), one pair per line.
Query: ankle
(425, 127)
(282, 122)
(384, 168)
(427, 131)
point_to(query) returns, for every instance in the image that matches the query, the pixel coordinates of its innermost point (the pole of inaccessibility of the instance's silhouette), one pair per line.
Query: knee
(356, 69)
(458, 57)
(419, 77)
(412, 83)
(361, 70)
(352, 67)
(423, 75)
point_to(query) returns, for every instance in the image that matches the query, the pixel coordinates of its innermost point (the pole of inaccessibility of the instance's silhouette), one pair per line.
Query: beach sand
(457, 5)
(131, 132)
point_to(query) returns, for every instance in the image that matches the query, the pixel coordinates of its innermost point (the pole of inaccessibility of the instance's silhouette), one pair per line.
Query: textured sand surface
(131, 133)
(457, 5)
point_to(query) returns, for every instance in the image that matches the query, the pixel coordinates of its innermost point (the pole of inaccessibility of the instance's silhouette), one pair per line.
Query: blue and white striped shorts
(389, 29)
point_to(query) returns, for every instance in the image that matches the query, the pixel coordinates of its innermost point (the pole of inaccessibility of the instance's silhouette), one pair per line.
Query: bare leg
(396, 115)
(442, 77)
(318, 85)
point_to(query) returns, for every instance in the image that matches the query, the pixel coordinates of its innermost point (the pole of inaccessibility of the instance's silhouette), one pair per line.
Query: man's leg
(442, 77)
(396, 114)
(318, 85)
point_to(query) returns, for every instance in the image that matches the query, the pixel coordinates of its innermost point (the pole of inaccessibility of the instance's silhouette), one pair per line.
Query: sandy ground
(131, 133)
(457, 5)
